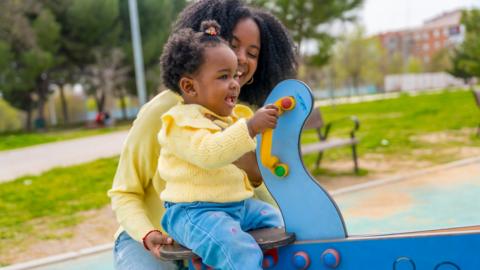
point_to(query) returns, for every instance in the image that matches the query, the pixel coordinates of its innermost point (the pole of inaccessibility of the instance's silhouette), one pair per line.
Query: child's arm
(211, 149)
(204, 147)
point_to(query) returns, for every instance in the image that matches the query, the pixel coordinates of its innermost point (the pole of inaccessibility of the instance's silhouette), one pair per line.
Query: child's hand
(155, 240)
(266, 117)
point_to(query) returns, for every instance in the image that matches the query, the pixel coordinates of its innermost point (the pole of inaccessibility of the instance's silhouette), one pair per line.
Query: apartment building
(442, 31)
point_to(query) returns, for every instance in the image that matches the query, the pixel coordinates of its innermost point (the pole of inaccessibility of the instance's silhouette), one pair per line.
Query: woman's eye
(253, 55)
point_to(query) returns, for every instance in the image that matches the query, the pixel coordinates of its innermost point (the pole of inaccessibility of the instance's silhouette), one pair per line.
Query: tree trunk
(355, 82)
(28, 121)
(64, 104)
(123, 104)
(100, 100)
(42, 92)
(40, 122)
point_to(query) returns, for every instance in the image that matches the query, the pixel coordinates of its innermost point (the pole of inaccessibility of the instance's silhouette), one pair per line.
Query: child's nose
(235, 84)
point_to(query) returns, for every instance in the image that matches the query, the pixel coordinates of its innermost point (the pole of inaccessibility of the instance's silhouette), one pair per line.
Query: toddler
(208, 200)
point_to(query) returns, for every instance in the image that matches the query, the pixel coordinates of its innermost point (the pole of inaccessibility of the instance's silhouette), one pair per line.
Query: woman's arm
(248, 163)
(137, 166)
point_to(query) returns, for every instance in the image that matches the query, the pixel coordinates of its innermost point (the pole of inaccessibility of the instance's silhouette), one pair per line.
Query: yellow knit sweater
(197, 153)
(135, 201)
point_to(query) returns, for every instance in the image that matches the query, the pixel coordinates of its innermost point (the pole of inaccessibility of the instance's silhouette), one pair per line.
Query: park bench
(476, 94)
(315, 121)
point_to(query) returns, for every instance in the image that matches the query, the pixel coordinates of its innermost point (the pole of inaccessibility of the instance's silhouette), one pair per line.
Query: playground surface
(444, 197)
(437, 200)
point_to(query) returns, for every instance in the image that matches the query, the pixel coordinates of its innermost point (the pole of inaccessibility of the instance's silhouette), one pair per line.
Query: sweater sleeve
(206, 148)
(137, 167)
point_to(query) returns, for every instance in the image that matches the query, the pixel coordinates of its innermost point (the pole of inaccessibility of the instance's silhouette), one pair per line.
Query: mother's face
(246, 45)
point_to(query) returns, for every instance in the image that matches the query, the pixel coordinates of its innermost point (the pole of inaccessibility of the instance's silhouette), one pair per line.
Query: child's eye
(223, 77)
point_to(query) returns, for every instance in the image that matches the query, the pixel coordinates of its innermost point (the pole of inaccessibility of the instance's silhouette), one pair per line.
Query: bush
(11, 119)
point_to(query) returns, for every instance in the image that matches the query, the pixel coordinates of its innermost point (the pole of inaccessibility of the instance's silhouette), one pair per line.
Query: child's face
(216, 84)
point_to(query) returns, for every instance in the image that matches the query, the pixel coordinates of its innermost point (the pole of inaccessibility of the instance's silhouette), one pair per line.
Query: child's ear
(186, 85)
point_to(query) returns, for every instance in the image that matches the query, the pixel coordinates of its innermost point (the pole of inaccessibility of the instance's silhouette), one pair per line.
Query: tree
(45, 60)
(107, 77)
(307, 20)
(29, 34)
(394, 63)
(155, 18)
(456, 70)
(357, 60)
(414, 65)
(441, 61)
(47, 42)
(112, 33)
(466, 60)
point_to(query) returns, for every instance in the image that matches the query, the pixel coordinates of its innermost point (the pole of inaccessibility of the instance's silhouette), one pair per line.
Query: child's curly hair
(183, 52)
(278, 54)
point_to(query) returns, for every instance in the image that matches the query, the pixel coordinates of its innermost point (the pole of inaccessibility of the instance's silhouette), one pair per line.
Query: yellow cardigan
(197, 154)
(136, 204)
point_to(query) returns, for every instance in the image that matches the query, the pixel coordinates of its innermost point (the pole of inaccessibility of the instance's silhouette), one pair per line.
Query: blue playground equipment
(315, 236)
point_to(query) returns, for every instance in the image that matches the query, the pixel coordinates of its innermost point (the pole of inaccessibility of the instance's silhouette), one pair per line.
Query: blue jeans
(129, 254)
(217, 231)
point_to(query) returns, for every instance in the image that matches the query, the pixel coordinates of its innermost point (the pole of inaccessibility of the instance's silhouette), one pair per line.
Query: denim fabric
(129, 254)
(217, 231)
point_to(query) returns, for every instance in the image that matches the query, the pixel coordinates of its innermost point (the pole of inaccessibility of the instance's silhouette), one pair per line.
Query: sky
(387, 15)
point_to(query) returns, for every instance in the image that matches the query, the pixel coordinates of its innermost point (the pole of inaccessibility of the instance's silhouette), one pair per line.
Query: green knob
(280, 171)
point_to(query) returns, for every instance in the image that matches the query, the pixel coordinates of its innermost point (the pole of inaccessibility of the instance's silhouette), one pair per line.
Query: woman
(266, 56)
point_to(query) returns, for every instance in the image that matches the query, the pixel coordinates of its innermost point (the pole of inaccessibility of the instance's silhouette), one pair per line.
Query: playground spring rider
(315, 236)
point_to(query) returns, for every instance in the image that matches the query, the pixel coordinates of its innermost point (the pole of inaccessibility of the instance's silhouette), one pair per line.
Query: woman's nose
(242, 56)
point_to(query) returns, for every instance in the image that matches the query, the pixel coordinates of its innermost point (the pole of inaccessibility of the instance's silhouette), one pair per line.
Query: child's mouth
(231, 100)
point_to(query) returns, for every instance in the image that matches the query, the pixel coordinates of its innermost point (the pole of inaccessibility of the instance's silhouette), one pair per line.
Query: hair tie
(211, 31)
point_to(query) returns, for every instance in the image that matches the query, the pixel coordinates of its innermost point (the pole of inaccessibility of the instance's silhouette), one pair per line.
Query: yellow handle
(267, 159)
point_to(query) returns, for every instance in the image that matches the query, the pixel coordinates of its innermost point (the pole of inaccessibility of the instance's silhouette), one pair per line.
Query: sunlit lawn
(54, 197)
(392, 127)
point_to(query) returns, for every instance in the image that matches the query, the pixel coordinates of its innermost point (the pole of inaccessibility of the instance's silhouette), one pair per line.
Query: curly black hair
(183, 52)
(277, 59)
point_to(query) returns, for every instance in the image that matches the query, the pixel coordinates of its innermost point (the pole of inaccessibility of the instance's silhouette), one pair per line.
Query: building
(443, 31)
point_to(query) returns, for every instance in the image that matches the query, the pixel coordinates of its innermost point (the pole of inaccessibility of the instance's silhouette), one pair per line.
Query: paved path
(40, 158)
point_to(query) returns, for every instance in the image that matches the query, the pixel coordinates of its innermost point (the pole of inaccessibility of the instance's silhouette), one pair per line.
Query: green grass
(396, 122)
(14, 140)
(53, 199)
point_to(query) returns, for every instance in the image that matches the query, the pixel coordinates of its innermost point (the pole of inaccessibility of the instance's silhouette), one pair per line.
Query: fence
(424, 81)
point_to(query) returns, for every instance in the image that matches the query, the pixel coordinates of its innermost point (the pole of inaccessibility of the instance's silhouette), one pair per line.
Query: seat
(267, 238)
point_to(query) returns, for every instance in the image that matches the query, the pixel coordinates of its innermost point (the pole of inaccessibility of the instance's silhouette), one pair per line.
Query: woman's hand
(266, 117)
(154, 240)
(248, 163)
